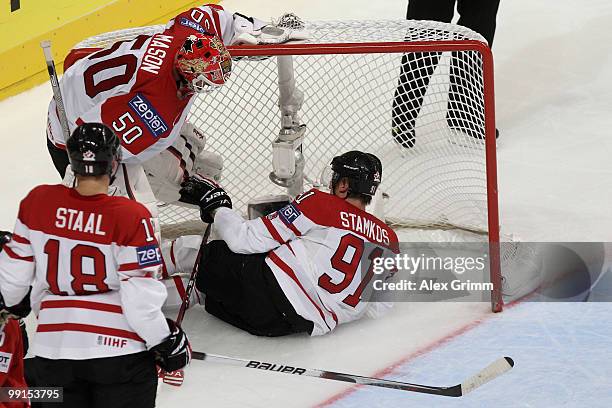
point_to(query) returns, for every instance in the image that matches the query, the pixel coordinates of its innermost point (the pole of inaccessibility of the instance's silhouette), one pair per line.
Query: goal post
(480, 47)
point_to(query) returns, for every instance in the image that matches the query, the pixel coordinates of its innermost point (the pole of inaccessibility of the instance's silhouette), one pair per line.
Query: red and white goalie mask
(204, 62)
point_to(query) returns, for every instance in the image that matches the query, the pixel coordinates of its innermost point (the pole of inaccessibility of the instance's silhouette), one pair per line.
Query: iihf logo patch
(289, 214)
(377, 177)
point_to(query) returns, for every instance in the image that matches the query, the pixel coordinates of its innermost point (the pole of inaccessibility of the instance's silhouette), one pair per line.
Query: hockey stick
(176, 377)
(57, 93)
(485, 375)
(192, 278)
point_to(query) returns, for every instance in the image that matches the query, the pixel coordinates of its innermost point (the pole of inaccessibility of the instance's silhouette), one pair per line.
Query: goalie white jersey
(321, 253)
(92, 263)
(130, 85)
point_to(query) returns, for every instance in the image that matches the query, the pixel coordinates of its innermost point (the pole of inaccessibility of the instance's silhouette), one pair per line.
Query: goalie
(302, 268)
(143, 89)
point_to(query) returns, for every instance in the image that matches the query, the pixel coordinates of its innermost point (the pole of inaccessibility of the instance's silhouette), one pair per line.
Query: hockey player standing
(300, 269)
(92, 260)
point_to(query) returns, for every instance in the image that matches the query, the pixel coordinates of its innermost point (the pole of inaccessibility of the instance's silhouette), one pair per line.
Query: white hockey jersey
(130, 87)
(93, 264)
(321, 253)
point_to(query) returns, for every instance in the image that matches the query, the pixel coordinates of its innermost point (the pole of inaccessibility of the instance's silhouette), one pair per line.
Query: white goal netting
(422, 113)
(417, 94)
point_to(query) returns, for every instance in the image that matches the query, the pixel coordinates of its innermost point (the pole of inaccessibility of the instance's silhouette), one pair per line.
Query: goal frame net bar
(290, 49)
(392, 47)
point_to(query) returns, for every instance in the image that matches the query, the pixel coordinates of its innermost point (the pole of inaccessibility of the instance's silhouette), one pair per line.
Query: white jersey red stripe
(130, 85)
(278, 262)
(92, 263)
(320, 249)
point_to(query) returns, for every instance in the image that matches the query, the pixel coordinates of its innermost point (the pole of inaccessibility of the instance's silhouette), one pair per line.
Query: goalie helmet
(94, 150)
(363, 171)
(204, 62)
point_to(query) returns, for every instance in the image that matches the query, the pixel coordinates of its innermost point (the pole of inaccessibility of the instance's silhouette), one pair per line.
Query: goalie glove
(254, 32)
(209, 165)
(205, 193)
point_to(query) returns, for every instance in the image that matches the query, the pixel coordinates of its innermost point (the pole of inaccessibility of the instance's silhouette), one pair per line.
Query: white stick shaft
(57, 93)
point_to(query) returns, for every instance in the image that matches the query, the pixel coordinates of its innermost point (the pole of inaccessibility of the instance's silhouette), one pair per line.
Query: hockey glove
(173, 353)
(206, 194)
(5, 237)
(18, 311)
(251, 31)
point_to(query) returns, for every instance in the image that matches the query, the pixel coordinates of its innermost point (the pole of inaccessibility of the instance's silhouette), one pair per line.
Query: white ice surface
(554, 96)
(362, 347)
(561, 354)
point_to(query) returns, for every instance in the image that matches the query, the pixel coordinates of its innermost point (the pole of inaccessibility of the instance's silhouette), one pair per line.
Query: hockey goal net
(418, 94)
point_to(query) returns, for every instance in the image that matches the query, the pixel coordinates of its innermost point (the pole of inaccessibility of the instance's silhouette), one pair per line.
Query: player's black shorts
(128, 381)
(242, 291)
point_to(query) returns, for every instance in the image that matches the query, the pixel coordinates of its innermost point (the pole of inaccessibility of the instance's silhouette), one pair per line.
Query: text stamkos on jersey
(145, 111)
(148, 255)
(364, 226)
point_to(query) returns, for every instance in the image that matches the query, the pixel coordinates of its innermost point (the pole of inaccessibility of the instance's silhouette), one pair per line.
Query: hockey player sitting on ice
(92, 260)
(300, 269)
(144, 89)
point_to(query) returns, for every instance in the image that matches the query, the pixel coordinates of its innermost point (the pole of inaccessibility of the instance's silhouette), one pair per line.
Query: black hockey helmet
(93, 148)
(363, 170)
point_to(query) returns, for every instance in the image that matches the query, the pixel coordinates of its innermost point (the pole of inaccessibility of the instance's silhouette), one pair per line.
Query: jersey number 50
(108, 70)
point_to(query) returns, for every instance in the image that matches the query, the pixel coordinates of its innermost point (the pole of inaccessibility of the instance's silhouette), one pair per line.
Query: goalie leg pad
(180, 254)
(170, 168)
(175, 287)
(209, 165)
(194, 135)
